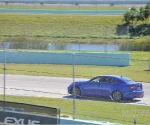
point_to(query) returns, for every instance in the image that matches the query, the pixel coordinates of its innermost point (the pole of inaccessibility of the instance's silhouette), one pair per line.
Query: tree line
(134, 15)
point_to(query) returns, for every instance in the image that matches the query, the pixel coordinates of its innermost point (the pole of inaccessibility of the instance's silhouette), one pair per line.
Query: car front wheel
(76, 92)
(117, 96)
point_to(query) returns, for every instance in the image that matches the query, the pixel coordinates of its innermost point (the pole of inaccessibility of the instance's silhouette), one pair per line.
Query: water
(84, 46)
(59, 46)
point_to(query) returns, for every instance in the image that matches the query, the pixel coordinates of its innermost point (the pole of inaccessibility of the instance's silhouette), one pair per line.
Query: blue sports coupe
(113, 86)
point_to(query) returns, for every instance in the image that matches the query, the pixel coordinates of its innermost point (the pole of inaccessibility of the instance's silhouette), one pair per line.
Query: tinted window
(113, 80)
(109, 80)
(97, 79)
(104, 80)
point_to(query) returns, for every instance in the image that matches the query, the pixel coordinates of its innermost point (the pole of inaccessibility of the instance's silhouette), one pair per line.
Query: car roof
(115, 76)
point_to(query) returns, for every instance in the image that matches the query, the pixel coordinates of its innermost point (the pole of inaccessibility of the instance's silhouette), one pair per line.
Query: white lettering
(35, 122)
(14, 121)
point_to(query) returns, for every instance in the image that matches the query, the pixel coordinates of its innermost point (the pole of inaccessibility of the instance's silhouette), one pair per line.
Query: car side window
(95, 80)
(105, 80)
(113, 80)
(109, 80)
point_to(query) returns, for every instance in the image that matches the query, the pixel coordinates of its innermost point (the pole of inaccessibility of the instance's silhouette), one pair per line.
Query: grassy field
(72, 28)
(60, 20)
(99, 110)
(45, 27)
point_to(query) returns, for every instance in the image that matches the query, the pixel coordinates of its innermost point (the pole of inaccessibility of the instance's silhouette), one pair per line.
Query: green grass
(68, 28)
(64, 28)
(56, 28)
(59, 20)
(92, 110)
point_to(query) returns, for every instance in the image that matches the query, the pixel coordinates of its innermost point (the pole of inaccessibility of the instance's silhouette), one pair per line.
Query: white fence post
(134, 121)
(4, 95)
(73, 75)
(149, 64)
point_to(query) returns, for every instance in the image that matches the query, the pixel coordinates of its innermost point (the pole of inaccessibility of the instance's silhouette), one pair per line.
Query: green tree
(130, 16)
(127, 17)
(133, 13)
(140, 15)
(147, 11)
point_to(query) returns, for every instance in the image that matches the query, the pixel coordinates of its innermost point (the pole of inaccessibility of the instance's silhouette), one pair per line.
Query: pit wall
(81, 58)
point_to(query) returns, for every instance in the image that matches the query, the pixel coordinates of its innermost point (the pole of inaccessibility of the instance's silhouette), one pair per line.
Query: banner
(26, 114)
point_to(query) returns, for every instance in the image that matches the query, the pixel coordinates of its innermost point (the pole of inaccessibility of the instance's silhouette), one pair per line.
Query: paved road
(43, 86)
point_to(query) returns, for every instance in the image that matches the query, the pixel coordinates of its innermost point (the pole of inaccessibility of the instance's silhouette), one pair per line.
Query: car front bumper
(69, 89)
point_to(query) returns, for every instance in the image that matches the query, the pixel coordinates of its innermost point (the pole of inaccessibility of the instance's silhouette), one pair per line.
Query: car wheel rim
(117, 96)
(76, 92)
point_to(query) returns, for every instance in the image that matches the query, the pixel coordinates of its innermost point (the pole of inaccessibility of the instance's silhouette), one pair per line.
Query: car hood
(79, 83)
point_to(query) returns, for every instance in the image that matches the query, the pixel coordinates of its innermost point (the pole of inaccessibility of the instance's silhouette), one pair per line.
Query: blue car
(113, 86)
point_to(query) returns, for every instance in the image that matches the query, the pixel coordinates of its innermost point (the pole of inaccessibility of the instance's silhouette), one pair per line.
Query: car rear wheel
(117, 96)
(76, 92)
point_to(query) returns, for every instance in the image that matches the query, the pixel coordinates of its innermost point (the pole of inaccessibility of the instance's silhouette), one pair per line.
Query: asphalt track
(55, 87)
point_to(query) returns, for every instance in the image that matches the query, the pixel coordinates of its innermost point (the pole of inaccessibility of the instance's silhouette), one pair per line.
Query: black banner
(27, 114)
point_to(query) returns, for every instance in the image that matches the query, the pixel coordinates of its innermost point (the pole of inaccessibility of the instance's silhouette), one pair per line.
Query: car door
(92, 88)
(106, 86)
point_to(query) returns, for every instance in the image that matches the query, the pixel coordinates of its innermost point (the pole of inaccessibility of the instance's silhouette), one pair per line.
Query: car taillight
(132, 87)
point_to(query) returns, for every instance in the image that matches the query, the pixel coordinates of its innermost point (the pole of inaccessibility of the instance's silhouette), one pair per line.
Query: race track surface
(44, 86)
